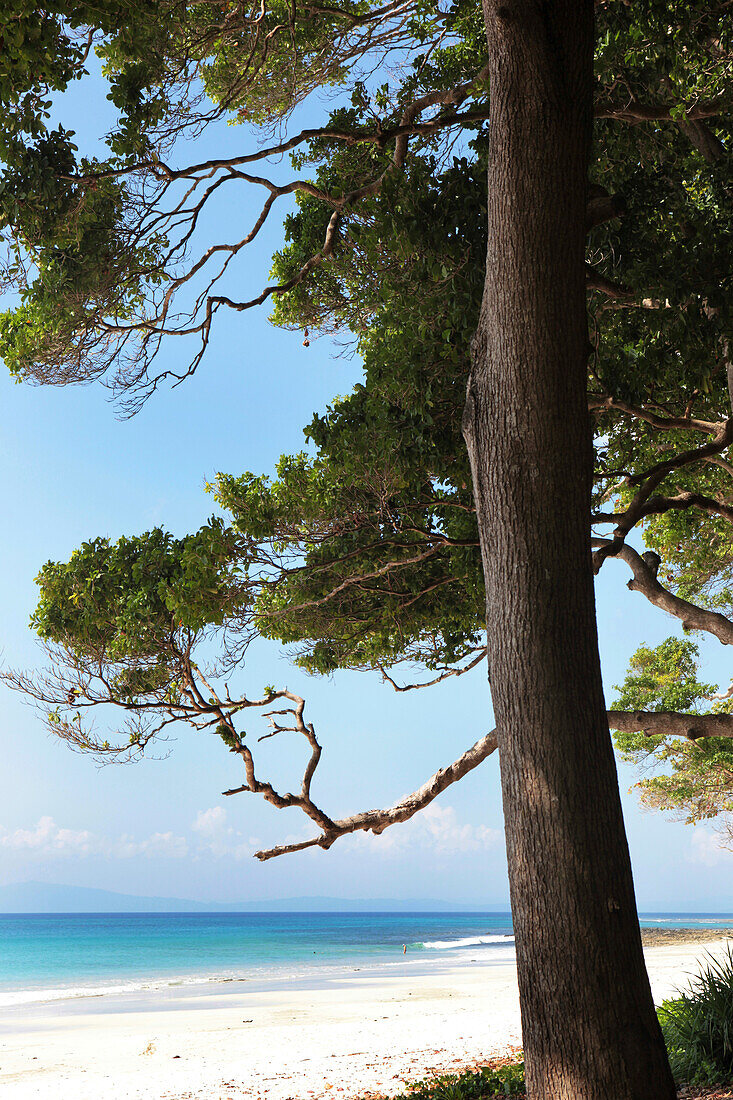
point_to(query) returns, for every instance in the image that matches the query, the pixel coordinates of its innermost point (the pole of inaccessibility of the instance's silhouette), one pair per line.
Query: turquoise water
(44, 956)
(56, 956)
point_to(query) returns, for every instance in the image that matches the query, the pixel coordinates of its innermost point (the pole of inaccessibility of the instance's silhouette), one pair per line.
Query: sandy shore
(363, 1033)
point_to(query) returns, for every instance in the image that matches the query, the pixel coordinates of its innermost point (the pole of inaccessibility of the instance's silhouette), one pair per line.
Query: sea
(83, 957)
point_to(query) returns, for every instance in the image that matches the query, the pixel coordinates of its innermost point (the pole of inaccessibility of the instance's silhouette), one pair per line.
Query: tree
(526, 412)
(387, 568)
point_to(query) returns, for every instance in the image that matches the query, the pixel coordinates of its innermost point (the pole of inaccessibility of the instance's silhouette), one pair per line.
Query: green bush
(698, 1026)
(506, 1080)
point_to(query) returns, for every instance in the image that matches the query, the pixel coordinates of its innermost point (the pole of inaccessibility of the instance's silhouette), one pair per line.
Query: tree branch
(446, 672)
(671, 724)
(650, 480)
(657, 505)
(595, 281)
(633, 111)
(604, 401)
(601, 208)
(376, 821)
(691, 616)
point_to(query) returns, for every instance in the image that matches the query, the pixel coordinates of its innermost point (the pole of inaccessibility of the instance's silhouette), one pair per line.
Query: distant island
(46, 897)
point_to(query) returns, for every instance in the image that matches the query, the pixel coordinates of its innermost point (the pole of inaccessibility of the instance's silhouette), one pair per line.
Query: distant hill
(46, 897)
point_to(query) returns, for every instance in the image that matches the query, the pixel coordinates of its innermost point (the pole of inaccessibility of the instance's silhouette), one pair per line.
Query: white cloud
(210, 837)
(217, 839)
(47, 838)
(441, 829)
(436, 829)
(210, 822)
(707, 846)
(166, 845)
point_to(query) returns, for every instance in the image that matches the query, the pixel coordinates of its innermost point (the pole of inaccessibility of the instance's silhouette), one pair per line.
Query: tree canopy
(363, 552)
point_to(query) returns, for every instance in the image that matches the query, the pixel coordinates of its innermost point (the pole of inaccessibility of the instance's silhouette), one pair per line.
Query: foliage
(390, 481)
(498, 1079)
(127, 596)
(698, 1026)
(131, 608)
(663, 678)
(90, 299)
(697, 780)
(364, 552)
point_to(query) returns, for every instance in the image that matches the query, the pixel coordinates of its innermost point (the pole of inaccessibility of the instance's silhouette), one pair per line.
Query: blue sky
(71, 470)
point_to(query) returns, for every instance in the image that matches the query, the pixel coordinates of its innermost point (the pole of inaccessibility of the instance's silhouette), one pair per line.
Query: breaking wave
(469, 941)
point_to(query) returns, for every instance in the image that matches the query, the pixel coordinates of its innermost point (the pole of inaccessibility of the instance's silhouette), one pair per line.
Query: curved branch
(376, 821)
(600, 402)
(379, 136)
(658, 505)
(633, 111)
(691, 616)
(656, 474)
(653, 724)
(450, 97)
(483, 651)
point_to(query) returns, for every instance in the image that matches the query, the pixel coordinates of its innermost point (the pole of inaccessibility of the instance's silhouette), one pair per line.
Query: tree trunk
(590, 1030)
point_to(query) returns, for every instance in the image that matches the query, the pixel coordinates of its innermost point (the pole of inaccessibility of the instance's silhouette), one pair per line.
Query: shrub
(698, 1026)
(489, 1081)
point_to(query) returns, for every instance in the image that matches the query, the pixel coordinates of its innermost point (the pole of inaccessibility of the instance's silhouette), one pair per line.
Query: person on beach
(404, 948)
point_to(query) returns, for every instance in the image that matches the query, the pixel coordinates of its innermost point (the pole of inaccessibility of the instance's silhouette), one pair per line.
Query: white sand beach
(362, 1034)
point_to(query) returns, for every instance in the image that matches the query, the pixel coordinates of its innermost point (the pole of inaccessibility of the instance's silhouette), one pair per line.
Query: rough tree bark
(589, 1026)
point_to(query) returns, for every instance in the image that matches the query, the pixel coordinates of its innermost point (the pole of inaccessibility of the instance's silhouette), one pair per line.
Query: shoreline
(168, 992)
(360, 1033)
(663, 937)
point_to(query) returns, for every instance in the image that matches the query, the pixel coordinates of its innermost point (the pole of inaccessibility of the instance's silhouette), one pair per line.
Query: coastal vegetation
(504, 1077)
(698, 1026)
(422, 527)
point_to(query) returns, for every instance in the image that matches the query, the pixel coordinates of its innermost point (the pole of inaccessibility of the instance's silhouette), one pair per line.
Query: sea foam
(10, 997)
(469, 941)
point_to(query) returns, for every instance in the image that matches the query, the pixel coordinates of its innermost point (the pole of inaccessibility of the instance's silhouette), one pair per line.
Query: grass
(698, 1026)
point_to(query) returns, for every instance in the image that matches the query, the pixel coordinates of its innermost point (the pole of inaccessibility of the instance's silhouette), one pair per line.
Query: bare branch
(691, 616)
(724, 695)
(671, 724)
(376, 821)
(255, 786)
(437, 679)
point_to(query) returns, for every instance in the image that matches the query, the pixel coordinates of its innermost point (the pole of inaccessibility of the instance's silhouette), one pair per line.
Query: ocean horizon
(57, 957)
